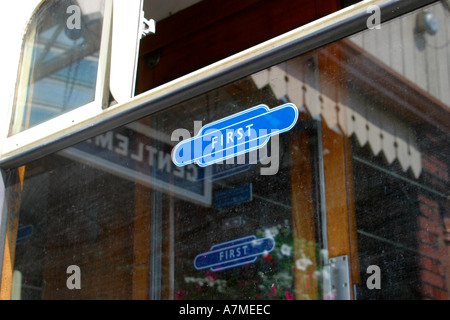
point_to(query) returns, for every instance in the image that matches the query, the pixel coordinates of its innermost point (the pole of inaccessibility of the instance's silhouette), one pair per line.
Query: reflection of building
(64, 65)
(363, 176)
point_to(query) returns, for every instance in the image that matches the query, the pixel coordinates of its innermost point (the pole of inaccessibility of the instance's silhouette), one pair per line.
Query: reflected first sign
(234, 253)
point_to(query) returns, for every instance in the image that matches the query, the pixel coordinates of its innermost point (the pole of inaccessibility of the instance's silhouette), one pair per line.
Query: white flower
(286, 250)
(303, 263)
(271, 233)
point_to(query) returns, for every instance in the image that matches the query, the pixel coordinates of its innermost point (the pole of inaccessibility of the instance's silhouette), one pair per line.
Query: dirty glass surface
(350, 203)
(117, 207)
(59, 61)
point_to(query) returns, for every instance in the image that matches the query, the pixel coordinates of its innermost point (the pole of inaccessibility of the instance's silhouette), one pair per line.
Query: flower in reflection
(289, 295)
(209, 281)
(286, 250)
(329, 296)
(303, 263)
(211, 276)
(288, 272)
(271, 232)
(266, 256)
(180, 294)
(272, 291)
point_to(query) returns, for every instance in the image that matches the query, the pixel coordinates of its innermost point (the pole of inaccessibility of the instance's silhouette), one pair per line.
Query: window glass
(59, 61)
(348, 203)
(131, 206)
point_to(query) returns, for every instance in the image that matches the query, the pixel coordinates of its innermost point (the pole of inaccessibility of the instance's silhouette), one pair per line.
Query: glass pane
(349, 202)
(400, 162)
(134, 223)
(59, 61)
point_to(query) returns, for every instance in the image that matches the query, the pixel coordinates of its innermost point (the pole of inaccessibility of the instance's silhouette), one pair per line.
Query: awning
(368, 122)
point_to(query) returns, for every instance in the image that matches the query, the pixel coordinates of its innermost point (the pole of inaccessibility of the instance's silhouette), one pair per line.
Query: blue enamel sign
(235, 135)
(234, 253)
(233, 196)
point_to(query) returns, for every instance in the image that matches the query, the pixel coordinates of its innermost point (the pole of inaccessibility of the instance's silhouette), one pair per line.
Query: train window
(154, 199)
(75, 62)
(350, 202)
(128, 27)
(60, 62)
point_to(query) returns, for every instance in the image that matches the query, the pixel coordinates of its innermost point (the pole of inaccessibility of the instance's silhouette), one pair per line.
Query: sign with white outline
(235, 135)
(234, 253)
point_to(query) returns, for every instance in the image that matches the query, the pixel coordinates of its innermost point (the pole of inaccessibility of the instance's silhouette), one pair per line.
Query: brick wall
(434, 223)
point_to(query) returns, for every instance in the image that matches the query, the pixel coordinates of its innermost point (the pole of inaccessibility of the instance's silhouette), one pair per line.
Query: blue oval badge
(235, 135)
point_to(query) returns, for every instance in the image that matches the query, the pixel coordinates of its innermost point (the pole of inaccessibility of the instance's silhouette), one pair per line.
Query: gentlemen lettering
(120, 144)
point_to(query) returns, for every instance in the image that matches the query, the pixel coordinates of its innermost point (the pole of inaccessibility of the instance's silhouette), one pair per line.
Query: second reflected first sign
(234, 253)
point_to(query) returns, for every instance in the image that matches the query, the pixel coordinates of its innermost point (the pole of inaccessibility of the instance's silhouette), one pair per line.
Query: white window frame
(116, 73)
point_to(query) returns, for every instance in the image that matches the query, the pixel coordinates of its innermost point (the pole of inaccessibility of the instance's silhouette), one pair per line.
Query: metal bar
(3, 219)
(155, 246)
(322, 197)
(381, 239)
(319, 33)
(340, 277)
(400, 177)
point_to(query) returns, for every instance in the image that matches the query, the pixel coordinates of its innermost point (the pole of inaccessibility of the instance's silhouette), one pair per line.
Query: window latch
(148, 26)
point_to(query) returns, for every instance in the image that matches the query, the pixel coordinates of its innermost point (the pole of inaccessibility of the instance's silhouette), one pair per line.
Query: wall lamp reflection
(426, 22)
